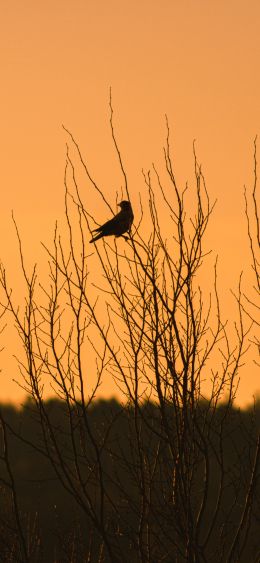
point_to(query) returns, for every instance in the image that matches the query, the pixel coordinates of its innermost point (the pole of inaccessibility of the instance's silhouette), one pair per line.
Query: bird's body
(118, 225)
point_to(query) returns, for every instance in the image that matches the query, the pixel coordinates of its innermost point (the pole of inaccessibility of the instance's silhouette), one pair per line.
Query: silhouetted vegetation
(55, 519)
(170, 475)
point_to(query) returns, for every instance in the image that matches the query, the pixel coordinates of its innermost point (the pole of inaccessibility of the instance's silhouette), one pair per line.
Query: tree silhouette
(171, 473)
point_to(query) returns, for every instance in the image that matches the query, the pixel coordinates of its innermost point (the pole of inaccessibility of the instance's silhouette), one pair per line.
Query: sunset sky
(195, 60)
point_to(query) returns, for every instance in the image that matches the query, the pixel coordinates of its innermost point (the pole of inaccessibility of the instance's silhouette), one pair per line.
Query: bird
(118, 225)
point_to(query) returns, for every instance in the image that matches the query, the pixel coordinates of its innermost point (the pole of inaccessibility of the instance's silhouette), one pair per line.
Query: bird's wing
(109, 224)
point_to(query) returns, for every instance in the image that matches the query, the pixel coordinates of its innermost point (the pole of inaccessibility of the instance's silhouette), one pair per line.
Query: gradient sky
(196, 61)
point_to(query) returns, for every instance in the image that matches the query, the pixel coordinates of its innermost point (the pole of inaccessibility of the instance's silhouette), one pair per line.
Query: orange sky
(197, 61)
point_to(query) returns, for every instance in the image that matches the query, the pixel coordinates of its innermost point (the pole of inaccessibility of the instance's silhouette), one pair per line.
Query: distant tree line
(53, 519)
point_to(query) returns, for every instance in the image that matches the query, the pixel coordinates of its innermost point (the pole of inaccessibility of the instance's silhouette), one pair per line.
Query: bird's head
(124, 205)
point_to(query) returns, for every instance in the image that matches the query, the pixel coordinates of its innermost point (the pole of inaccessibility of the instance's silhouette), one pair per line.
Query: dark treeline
(52, 514)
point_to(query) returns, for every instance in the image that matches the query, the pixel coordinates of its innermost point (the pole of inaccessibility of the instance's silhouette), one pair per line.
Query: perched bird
(118, 225)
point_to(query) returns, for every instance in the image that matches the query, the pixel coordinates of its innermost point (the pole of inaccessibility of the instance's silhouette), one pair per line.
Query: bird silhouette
(118, 225)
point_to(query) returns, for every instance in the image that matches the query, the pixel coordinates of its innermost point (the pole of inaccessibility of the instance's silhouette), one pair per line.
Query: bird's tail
(98, 236)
